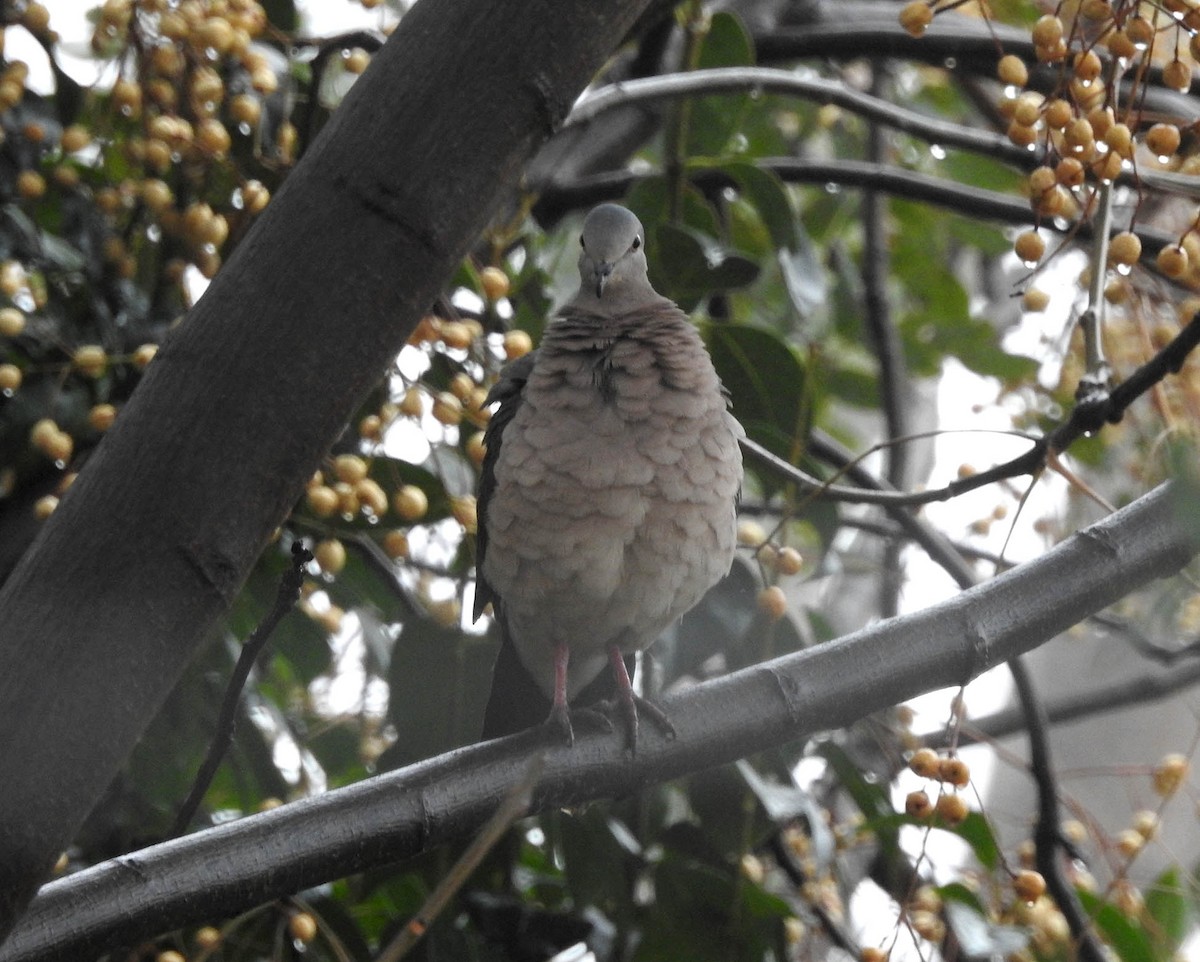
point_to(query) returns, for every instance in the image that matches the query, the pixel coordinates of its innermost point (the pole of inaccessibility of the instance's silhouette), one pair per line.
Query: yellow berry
(1029, 246)
(330, 555)
(30, 184)
(349, 468)
(750, 534)
(462, 386)
(1022, 134)
(494, 282)
(915, 17)
(918, 805)
(1058, 114)
(1079, 134)
(772, 602)
(1097, 10)
(1029, 886)
(101, 417)
(455, 334)
(951, 809)
(954, 771)
(1124, 249)
(1163, 139)
(411, 404)
(395, 544)
(789, 561)
(1012, 70)
(372, 496)
(356, 60)
(10, 377)
(1170, 774)
(410, 503)
(1145, 823)
(1041, 180)
(447, 408)
(255, 196)
(1130, 842)
(1069, 172)
(925, 762)
(90, 360)
(144, 355)
(74, 138)
(1048, 31)
(12, 322)
(1028, 109)
(517, 344)
(476, 449)
(1119, 140)
(1178, 76)
(370, 427)
(302, 927)
(873, 954)
(212, 137)
(1035, 299)
(208, 937)
(464, 510)
(322, 500)
(348, 503)
(1172, 261)
(44, 506)
(36, 18)
(1140, 30)
(1087, 66)
(1121, 45)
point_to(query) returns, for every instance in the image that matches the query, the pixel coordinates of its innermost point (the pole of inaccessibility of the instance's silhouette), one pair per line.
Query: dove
(608, 491)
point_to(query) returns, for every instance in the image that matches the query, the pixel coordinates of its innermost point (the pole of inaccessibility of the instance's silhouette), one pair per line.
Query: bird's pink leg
(632, 703)
(560, 715)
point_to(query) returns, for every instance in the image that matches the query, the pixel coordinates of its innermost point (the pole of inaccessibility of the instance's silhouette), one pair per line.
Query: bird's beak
(603, 272)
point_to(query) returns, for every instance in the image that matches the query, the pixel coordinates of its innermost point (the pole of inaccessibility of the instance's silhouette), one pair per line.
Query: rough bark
(154, 539)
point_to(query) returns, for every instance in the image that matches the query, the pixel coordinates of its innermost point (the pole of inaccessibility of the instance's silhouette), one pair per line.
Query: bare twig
(515, 804)
(1047, 835)
(289, 592)
(741, 80)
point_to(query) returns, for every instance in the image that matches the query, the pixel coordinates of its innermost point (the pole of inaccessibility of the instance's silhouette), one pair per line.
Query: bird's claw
(561, 718)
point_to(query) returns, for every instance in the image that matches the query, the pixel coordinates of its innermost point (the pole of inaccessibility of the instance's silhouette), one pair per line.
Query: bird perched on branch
(607, 500)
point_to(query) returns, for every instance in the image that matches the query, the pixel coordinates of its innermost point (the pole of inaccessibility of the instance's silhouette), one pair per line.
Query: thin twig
(742, 80)
(285, 599)
(513, 806)
(884, 338)
(1104, 699)
(1087, 417)
(1047, 836)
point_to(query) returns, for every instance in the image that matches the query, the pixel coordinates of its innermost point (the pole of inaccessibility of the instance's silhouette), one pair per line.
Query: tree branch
(146, 551)
(396, 816)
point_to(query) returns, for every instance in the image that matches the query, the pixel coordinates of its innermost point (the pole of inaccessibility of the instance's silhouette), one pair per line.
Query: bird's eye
(581, 243)
(637, 242)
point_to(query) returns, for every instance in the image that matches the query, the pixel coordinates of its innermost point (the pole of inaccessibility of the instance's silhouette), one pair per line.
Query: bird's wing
(507, 390)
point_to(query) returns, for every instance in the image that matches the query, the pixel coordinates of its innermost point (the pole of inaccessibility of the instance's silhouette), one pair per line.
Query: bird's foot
(632, 706)
(561, 719)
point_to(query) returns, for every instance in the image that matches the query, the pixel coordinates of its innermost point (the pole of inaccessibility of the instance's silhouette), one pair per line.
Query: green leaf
(767, 382)
(1128, 940)
(1170, 910)
(713, 121)
(976, 831)
(767, 193)
(684, 269)
(437, 679)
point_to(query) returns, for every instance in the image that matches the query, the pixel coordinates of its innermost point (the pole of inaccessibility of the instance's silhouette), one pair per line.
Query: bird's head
(612, 262)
